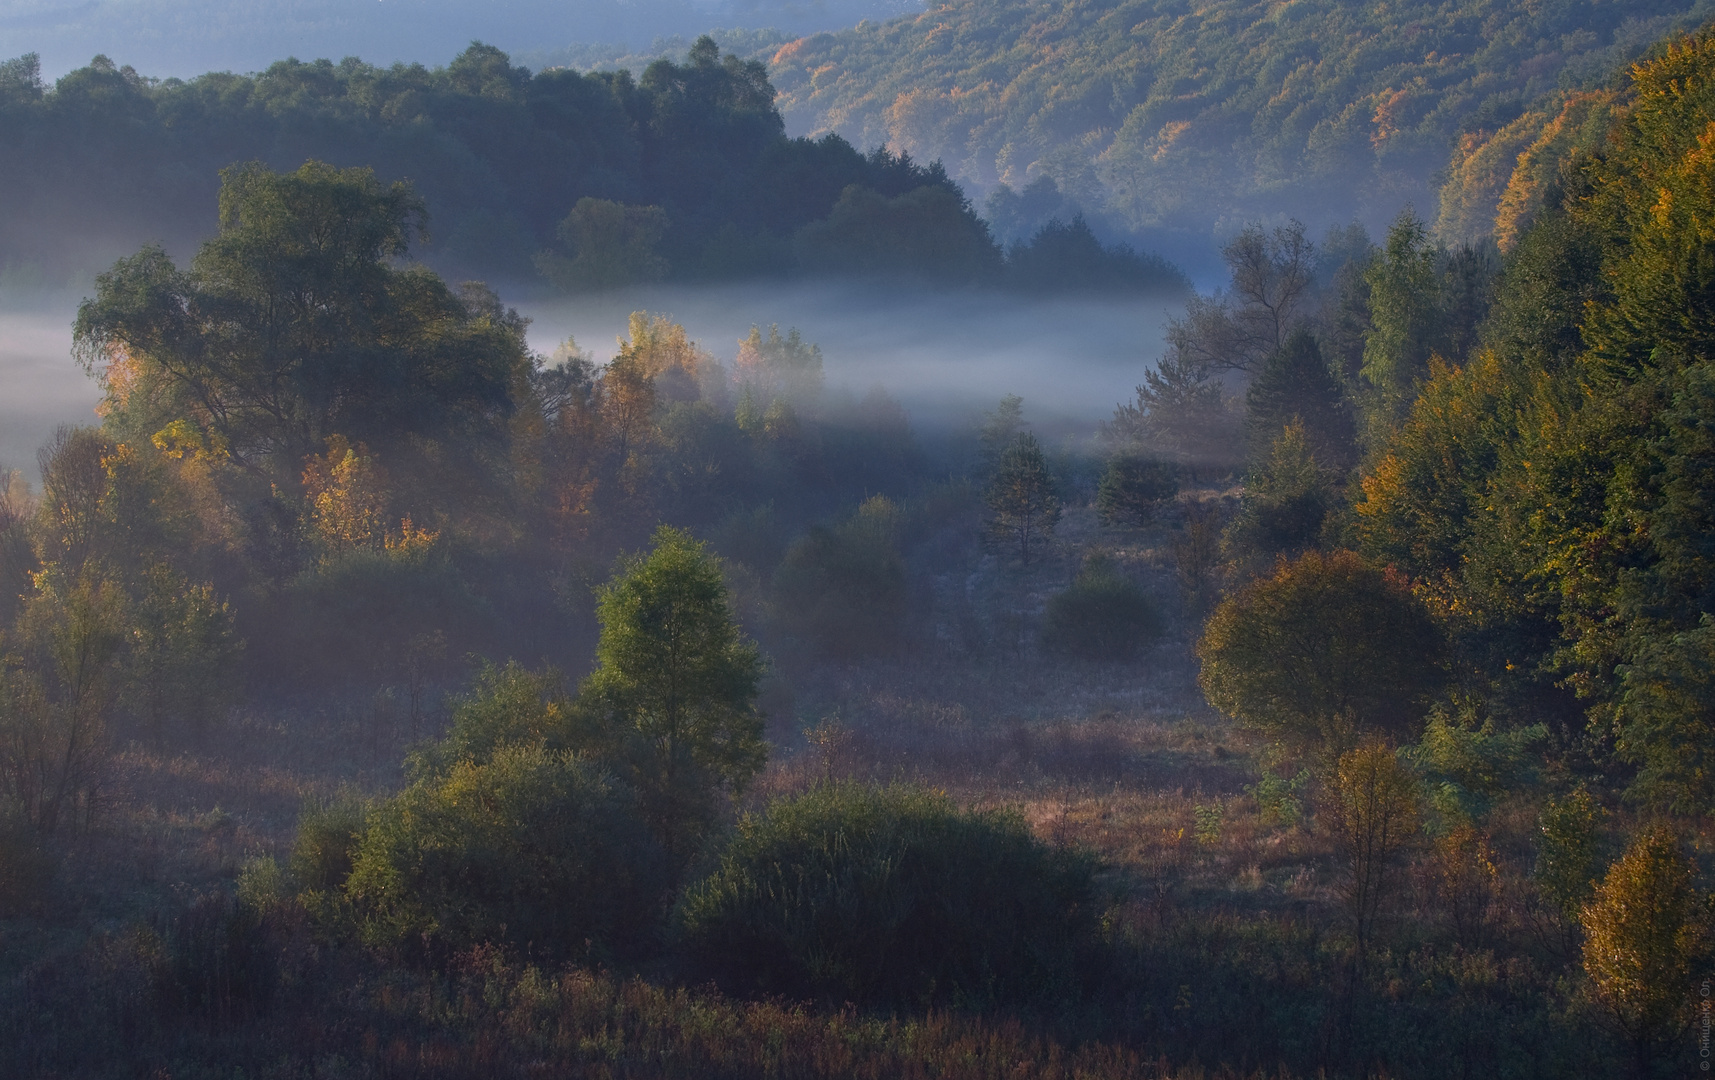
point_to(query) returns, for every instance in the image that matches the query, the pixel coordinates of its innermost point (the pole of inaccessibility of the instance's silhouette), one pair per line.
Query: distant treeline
(592, 180)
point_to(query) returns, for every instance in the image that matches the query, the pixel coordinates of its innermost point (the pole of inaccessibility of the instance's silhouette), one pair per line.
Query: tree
(1272, 275)
(293, 325)
(1404, 314)
(1179, 412)
(1287, 499)
(1323, 652)
(844, 589)
(1373, 805)
(56, 694)
(676, 684)
(892, 896)
(1297, 384)
(1566, 866)
(611, 244)
(1102, 616)
(1022, 502)
(1646, 933)
(1133, 488)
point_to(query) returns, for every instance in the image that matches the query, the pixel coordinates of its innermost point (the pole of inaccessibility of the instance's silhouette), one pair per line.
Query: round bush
(891, 896)
(1102, 616)
(534, 849)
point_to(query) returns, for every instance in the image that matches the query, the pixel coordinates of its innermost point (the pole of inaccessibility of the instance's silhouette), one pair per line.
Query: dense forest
(588, 180)
(381, 698)
(1152, 115)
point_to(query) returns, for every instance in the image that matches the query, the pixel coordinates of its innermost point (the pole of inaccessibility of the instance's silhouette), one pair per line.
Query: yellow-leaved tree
(1645, 932)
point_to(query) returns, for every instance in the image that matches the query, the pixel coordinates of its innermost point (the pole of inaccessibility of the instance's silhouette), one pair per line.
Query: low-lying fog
(944, 357)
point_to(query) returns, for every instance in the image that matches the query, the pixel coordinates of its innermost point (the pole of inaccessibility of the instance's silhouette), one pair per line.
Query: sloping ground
(1155, 113)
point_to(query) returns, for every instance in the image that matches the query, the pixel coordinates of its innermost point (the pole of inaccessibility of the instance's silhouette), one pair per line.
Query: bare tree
(1272, 275)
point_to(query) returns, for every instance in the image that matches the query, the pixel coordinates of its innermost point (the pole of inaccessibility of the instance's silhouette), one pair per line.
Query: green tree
(1023, 505)
(844, 589)
(1321, 653)
(1566, 851)
(1133, 488)
(1405, 316)
(676, 683)
(1296, 384)
(293, 324)
(1103, 615)
(1287, 499)
(1646, 934)
(611, 244)
(182, 667)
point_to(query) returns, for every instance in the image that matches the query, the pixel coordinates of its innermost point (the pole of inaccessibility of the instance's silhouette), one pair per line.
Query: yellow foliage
(1646, 932)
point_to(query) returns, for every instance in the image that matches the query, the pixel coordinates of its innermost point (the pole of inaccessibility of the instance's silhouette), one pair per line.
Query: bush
(328, 835)
(1133, 488)
(891, 896)
(1103, 616)
(844, 589)
(534, 849)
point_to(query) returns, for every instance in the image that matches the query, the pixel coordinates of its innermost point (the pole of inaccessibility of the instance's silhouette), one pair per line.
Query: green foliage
(1180, 413)
(1470, 764)
(891, 896)
(611, 244)
(1373, 808)
(292, 326)
(534, 849)
(1065, 257)
(1279, 800)
(1288, 498)
(676, 682)
(930, 232)
(1132, 489)
(1023, 505)
(505, 706)
(1324, 651)
(844, 589)
(1103, 615)
(183, 662)
(1297, 385)
(1567, 848)
(329, 832)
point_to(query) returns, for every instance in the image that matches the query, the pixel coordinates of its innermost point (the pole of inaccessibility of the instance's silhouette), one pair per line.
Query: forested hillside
(1153, 114)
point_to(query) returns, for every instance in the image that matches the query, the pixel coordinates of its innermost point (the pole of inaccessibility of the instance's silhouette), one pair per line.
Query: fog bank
(40, 386)
(943, 356)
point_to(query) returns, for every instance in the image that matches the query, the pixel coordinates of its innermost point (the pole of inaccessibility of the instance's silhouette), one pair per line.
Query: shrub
(891, 896)
(1133, 488)
(534, 849)
(328, 834)
(1325, 651)
(844, 589)
(1102, 616)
